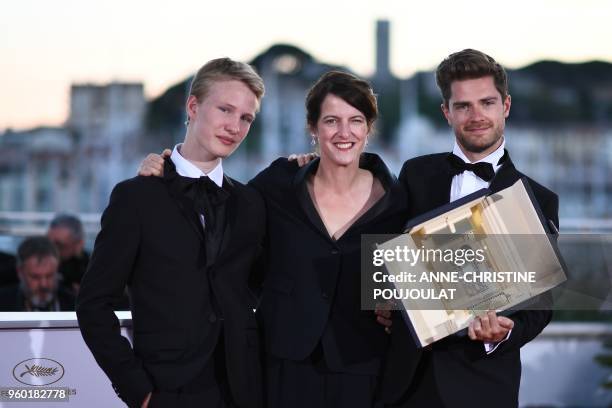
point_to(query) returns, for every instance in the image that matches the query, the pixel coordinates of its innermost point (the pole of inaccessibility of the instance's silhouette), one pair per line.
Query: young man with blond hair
(184, 245)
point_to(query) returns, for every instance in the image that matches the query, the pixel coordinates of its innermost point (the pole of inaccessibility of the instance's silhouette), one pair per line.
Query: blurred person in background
(38, 289)
(67, 234)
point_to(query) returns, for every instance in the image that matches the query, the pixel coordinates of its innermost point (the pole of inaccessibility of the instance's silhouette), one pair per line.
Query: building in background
(74, 168)
(35, 170)
(559, 131)
(107, 124)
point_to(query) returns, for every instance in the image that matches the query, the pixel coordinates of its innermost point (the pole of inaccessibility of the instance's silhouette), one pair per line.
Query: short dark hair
(71, 222)
(354, 91)
(470, 64)
(38, 246)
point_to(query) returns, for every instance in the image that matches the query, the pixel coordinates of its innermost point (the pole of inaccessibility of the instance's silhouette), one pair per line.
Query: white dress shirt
(186, 168)
(466, 183)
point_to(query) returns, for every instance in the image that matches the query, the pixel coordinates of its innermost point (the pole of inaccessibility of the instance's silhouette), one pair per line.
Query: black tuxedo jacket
(311, 293)
(465, 375)
(152, 240)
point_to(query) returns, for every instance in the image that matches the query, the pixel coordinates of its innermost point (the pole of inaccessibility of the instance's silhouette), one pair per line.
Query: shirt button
(212, 318)
(324, 295)
(335, 252)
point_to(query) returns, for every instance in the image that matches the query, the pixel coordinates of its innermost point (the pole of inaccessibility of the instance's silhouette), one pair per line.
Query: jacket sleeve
(529, 323)
(103, 284)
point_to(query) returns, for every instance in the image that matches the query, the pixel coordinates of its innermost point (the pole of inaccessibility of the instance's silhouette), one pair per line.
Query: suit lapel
(441, 181)
(302, 195)
(186, 207)
(389, 202)
(182, 202)
(393, 200)
(230, 212)
(506, 176)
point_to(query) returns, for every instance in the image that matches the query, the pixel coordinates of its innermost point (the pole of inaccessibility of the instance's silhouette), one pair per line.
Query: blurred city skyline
(49, 45)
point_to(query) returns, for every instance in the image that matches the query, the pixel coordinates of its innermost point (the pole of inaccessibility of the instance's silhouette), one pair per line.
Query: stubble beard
(478, 148)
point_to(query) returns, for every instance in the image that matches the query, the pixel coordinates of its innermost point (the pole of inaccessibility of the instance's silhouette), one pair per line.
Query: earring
(313, 142)
(186, 122)
(366, 142)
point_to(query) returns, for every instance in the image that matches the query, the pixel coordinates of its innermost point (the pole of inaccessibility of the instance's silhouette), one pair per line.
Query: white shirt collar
(492, 158)
(187, 169)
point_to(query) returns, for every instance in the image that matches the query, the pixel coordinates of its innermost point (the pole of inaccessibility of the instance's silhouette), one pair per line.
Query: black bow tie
(481, 169)
(194, 188)
(207, 197)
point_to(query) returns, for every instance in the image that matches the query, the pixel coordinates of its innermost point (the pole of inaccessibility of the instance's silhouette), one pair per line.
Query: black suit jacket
(311, 292)
(465, 375)
(8, 269)
(152, 240)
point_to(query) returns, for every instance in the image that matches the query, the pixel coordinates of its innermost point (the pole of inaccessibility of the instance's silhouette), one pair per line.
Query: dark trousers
(210, 389)
(423, 392)
(207, 398)
(311, 384)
